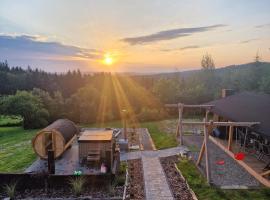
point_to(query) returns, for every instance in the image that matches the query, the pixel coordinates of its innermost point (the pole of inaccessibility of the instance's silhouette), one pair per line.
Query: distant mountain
(218, 71)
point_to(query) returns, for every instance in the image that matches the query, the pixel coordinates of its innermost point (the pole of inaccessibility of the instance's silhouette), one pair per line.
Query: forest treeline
(40, 97)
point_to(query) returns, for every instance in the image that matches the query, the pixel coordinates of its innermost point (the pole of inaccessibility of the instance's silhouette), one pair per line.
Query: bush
(28, 106)
(77, 185)
(6, 121)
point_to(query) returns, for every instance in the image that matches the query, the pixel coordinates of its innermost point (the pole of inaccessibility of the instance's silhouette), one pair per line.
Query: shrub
(77, 185)
(28, 106)
(10, 190)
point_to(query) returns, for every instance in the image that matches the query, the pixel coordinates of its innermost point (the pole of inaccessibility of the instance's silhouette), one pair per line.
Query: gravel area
(177, 185)
(230, 174)
(135, 189)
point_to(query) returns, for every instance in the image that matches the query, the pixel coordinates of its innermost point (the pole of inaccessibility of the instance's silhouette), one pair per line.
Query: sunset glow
(165, 36)
(108, 59)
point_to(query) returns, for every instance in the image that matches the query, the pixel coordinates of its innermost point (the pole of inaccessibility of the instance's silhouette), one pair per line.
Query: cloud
(169, 34)
(248, 41)
(31, 44)
(189, 47)
(262, 25)
(183, 48)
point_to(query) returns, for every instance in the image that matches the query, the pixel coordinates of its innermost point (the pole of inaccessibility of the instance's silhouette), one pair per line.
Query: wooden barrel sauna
(58, 136)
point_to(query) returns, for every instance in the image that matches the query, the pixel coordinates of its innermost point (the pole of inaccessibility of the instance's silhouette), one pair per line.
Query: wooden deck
(250, 163)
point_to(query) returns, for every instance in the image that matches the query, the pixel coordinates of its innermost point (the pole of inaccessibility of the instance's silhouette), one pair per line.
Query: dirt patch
(135, 188)
(60, 187)
(177, 184)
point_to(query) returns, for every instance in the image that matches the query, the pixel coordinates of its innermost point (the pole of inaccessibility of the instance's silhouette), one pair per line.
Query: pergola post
(230, 138)
(203, 145)
(206, 139)
(179, 131)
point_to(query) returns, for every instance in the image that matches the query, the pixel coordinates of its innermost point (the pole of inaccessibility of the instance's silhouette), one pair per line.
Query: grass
(10, 120)
(10, 190)
(77, 185)
(205, 192)
(161, 139)
(15, 149)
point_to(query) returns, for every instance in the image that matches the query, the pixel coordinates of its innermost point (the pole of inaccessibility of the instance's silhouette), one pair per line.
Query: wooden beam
(207, 164)
(201, 153)
(180, 127)
(188, 106)
(70, 142)
(256, 175)
(265, 173)
(222, 123)
(206, 115)
(203, 144)
(230, 138)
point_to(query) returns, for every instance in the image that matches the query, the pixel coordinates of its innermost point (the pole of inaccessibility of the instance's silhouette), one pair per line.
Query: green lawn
(10, 120)
(15, 149)
(161, 139)
(204, 192)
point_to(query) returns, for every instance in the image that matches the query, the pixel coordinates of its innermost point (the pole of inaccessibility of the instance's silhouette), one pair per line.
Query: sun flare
(108, 59)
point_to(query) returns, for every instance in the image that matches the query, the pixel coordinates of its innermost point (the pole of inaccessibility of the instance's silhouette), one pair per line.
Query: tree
(28, 106)
(207, 62)
(207, 76)
(167, 90)
(54, 104)
(83, 105)
(265, 84)
(257, 58)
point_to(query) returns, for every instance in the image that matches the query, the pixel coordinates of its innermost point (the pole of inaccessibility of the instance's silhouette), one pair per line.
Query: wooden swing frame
(208, 128)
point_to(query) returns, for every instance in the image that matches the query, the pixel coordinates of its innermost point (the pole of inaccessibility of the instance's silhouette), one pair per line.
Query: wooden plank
(222, 123)
(188, 106)
(230, 138)
(256, 175)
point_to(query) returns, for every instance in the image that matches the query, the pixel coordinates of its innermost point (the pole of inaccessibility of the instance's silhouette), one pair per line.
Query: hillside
(218, 71)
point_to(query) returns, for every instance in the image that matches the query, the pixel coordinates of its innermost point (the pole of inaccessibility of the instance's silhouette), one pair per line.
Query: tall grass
(77, 185)
(10, 190)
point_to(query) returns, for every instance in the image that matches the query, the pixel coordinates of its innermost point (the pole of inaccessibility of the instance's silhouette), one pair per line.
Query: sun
(108, 59)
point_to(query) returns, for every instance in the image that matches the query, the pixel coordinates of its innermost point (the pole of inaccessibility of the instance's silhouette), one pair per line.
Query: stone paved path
(156, 186)
(159, 153)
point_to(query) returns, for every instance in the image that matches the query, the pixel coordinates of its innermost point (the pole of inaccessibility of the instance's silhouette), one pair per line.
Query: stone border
(126, 184)
(151, 140)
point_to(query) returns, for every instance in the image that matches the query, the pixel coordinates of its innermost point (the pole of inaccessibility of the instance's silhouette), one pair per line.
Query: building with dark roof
(245, 107)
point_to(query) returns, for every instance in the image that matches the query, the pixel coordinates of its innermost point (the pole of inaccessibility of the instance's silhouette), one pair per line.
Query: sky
(140, 36)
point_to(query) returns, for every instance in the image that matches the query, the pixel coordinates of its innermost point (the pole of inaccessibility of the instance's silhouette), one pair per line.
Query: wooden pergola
(208, 128)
